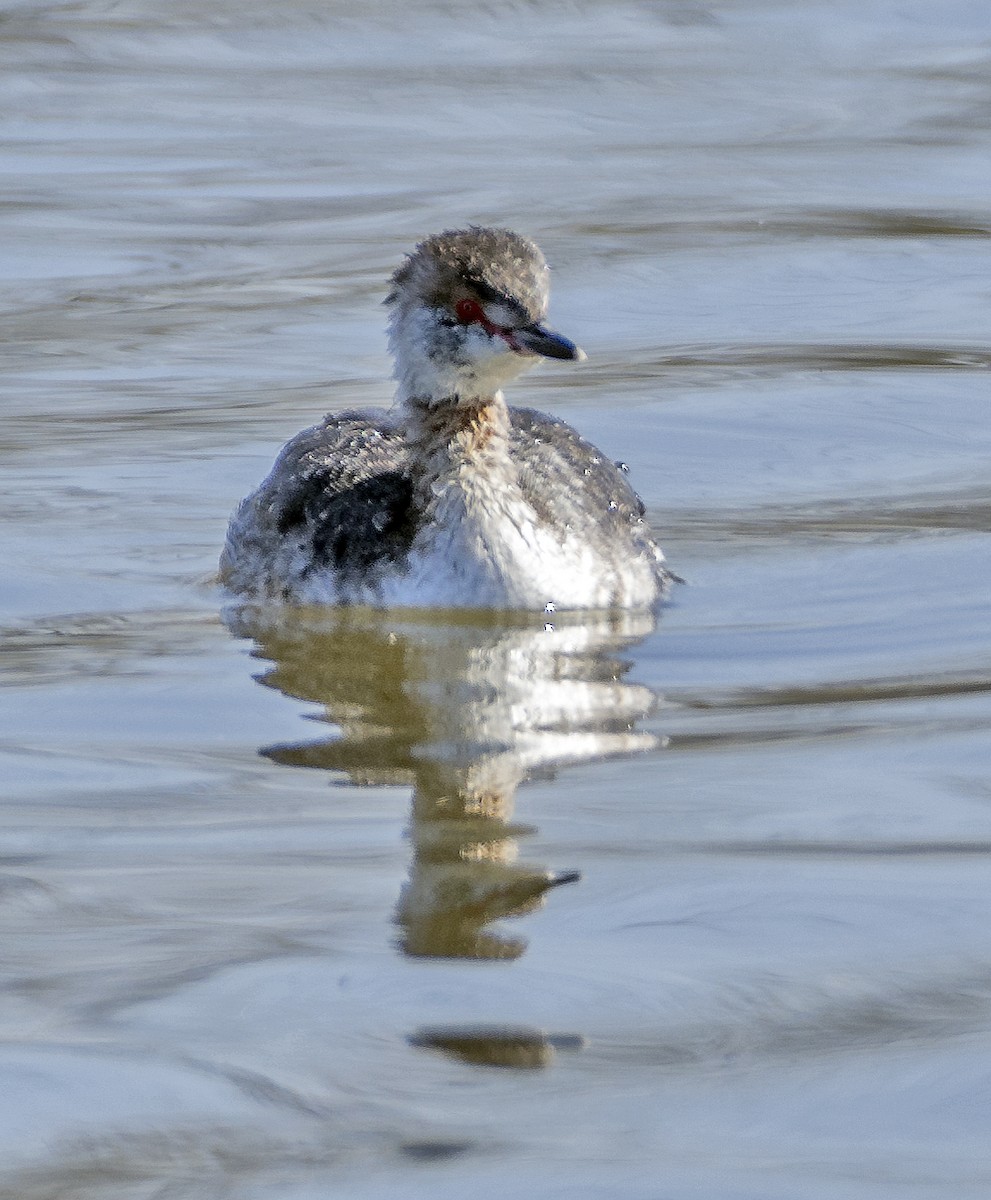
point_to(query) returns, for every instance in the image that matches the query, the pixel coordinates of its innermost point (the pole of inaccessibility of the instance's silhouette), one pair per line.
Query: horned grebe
(458, 501)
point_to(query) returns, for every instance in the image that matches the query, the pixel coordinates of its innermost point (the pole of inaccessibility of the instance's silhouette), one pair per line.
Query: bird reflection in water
(463, 708)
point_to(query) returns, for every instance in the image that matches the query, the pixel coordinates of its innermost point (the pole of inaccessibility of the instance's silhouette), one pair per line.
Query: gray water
(290, 910)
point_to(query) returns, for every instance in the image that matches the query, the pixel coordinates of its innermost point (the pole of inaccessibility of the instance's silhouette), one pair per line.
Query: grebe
(458, 501)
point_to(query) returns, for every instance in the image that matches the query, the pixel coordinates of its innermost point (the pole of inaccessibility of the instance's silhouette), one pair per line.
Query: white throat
(437, 363)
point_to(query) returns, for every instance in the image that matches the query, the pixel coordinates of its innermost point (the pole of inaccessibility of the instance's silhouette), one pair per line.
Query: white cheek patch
(428, 363)
(501, 315)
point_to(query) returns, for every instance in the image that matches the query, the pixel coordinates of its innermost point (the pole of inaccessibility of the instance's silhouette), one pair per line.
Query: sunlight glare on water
(378, 905)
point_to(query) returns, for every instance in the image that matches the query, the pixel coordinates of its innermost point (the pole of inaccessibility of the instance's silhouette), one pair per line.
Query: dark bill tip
(535, 339)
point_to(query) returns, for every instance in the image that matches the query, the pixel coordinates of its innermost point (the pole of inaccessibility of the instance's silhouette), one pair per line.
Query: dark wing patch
(344, 487)
(367, 523)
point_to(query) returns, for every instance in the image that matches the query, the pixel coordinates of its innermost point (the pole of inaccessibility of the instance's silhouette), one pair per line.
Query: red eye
(469, 311)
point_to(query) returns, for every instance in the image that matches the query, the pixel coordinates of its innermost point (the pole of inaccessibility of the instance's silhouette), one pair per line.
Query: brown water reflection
(464, 709)
(495, 1046)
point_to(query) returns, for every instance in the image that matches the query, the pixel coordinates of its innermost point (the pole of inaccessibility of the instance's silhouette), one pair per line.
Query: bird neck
(457, 440)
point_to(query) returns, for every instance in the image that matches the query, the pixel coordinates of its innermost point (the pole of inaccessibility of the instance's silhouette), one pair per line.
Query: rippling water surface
(382, 905)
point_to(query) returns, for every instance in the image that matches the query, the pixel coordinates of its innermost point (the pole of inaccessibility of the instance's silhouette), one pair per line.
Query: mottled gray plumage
(459, 500)
(342, 493)
(496, 264)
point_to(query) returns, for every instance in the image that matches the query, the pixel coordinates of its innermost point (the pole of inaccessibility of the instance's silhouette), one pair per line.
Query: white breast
(484, 547)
